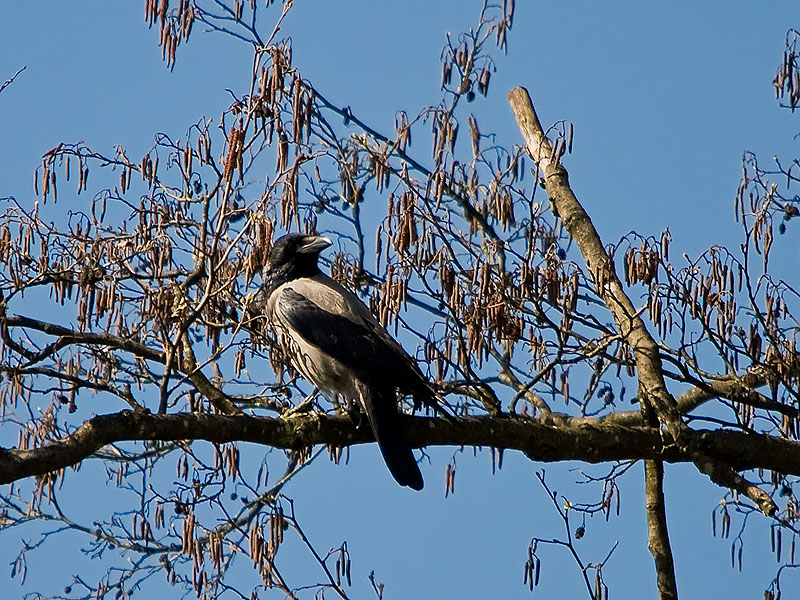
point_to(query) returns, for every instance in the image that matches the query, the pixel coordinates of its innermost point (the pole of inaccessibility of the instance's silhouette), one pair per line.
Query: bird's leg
(304, 406)
(350, 408)
(356, 416)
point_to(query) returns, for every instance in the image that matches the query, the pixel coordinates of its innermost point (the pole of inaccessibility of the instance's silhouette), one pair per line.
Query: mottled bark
(653, 392)
(657, 533)
(556, 439)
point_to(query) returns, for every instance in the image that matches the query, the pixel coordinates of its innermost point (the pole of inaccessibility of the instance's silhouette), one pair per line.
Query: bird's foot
(357, 417)
(305, 406)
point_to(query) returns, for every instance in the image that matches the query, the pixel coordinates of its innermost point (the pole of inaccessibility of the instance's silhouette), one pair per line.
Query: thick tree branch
(657, 533)
(601, 266)
(588, 440)
(652, 386)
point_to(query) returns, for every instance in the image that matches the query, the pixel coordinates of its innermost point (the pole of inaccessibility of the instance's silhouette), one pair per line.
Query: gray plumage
(333, 340)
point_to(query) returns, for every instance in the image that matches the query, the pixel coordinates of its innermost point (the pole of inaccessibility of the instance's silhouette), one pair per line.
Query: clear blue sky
(664, 98)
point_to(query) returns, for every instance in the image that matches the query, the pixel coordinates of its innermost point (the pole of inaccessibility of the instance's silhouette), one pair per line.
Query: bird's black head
(295, 255)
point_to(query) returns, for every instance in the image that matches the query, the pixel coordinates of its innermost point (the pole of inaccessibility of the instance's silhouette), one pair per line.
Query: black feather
(380, 404)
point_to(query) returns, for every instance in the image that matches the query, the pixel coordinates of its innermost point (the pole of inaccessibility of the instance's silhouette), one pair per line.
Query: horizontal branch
(587, 440)
(736, 388)
(69, 336)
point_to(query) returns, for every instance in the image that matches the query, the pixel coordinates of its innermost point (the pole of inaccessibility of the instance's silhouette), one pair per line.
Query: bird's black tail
(380, 405)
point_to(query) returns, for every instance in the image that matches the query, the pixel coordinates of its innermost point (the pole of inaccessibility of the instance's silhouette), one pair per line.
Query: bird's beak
(314, 244)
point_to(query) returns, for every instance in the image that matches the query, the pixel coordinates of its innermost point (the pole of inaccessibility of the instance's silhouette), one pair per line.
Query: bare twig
(9, 81)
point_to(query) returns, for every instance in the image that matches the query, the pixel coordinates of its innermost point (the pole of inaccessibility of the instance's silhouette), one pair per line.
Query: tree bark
(657, 533)
(653, 392)
(544, 440)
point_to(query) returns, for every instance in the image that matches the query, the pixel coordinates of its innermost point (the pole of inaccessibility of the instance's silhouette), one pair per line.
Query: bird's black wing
(352, 344)
(377, 367)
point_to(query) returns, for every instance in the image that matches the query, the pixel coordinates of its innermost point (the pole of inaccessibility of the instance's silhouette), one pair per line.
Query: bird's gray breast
(320, 368)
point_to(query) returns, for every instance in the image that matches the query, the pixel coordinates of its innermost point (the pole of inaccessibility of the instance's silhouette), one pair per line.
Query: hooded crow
(332, 339)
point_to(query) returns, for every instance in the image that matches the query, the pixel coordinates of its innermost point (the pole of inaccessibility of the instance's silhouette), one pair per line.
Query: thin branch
(8, 82)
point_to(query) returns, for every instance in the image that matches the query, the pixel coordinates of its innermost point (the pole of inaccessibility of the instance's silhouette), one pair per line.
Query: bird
(331, 338)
